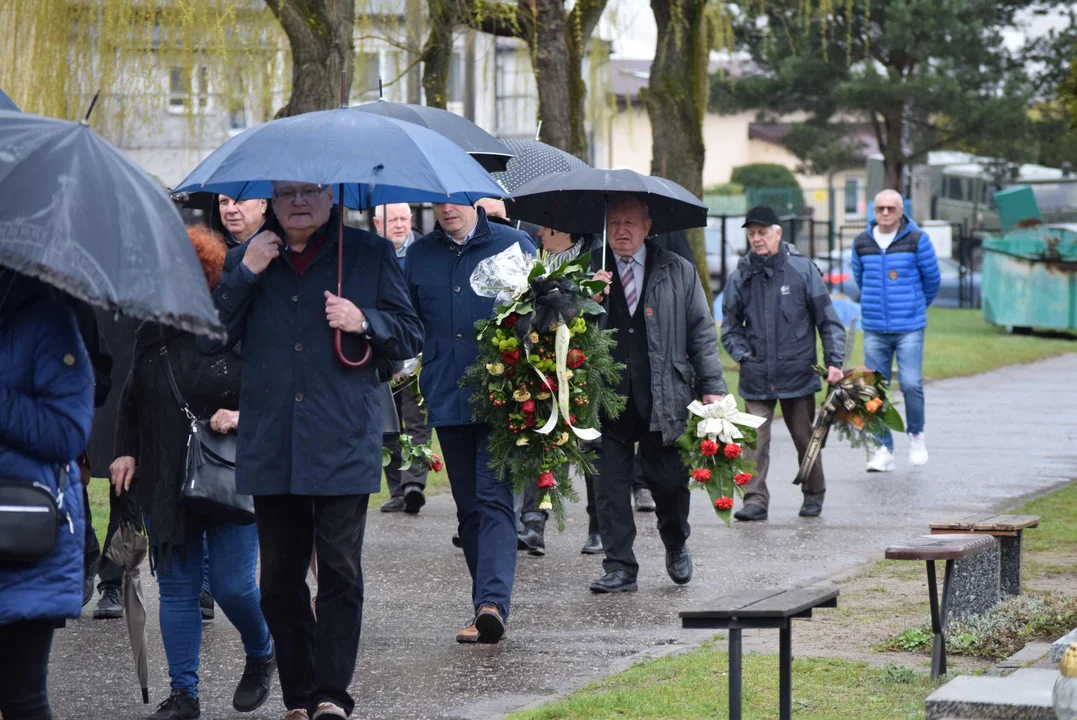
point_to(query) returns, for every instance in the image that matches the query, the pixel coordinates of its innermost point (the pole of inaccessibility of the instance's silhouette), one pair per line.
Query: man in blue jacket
(438, 273)
(895, 266)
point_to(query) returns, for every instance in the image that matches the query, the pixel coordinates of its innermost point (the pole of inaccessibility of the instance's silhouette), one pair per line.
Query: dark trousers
(666, 478)
(95, 560)
(799, 414)
(315, 658)
(24, 669)
(484, 510)
(413, 420)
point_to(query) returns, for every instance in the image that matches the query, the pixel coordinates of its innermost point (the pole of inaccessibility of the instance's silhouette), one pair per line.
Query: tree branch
(498, 19)
(586, 14)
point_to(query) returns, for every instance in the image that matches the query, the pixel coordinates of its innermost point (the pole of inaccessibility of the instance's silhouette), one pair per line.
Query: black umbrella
(77, 214)
(532, 159)
(479, 144)
(576, 202)
(7, 103)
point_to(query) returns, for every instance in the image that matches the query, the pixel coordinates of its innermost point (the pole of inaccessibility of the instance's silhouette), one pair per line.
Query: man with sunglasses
(895, 266)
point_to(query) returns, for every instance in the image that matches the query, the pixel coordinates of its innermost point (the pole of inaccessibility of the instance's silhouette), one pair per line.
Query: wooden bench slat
(961, 522)
(1008, 523)
(940, 547)
(772, 602)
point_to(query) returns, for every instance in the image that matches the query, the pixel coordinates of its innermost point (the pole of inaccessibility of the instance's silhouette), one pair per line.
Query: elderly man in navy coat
(439, 271)
(310, 433)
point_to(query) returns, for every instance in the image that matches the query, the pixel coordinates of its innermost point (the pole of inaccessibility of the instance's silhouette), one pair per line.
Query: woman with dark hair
(46, 409)
(151, 439)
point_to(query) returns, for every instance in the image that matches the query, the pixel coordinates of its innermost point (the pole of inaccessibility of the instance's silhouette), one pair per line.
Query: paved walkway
(561, 636)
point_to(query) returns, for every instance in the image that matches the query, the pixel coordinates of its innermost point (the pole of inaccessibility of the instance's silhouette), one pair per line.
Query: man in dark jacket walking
(772, 307)
(666, 339)
(311, 431)
(439, 272)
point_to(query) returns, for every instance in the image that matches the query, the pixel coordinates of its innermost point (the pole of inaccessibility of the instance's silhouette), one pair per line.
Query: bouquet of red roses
(413, 454)
(712, 448)
(543, 375)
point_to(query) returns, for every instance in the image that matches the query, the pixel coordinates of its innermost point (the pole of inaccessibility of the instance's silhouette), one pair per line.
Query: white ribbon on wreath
(720, 419)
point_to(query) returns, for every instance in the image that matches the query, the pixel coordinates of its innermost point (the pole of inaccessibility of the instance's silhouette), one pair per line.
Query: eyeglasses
(883, 209)
(289, 194)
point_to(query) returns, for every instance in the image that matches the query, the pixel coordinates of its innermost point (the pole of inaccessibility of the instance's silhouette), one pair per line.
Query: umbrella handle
(338, 340)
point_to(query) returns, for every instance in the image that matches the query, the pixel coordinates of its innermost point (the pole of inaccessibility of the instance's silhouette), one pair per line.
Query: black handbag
(209, 481)
(29, 517)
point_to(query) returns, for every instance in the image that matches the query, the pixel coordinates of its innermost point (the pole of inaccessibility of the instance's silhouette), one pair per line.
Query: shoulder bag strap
(172, 384)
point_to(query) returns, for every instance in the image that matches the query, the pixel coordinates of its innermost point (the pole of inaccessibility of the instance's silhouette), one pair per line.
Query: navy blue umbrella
(378, 160)
(7, 103)
(76, 213)
(373, 160)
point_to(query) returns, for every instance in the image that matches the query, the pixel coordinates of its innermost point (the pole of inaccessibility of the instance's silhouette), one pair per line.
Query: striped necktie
(628, 280)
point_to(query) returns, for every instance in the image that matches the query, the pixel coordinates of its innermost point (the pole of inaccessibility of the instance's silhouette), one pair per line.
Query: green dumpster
(1029, 279)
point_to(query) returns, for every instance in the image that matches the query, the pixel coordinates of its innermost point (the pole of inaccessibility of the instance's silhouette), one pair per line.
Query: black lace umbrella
(532, 159)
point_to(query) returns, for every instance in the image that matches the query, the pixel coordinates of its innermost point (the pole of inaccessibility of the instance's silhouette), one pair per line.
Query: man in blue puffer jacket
(46, 409)
(895, 266)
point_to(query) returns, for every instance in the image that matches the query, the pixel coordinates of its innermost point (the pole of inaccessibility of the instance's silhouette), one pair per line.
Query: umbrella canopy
(77, 214)
(7, 103)
(127, 550)
(576, 201)
(532, 159)
(479, 144)
(379, 160)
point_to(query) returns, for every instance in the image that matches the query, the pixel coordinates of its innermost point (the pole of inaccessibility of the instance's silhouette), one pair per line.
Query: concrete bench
(768, 608)
(1007, 530)
(1025, 695)
(930, 549)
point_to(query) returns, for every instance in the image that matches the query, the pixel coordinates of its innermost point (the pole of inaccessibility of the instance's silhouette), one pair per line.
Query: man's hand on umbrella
(261, 250)
(224, 421)
(834, 375)
(605, 276)
(122, 471)
(342, 314)
(711, 399)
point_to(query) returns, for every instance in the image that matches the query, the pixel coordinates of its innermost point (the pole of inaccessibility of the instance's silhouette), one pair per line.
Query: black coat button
(299, 347)
(299, 397)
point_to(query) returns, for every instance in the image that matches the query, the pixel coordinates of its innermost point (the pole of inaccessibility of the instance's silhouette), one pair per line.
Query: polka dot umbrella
(532, 159)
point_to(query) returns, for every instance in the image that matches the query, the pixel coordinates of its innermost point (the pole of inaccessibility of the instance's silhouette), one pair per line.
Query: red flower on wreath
(545, 480)
(701, 475)
(528, 406)
(436, 463)
(571, 419)
(732, 451)
(742, 478)
(511, 357)
(576, 358)
(511, 320)
(550, 384)
(709, 448)
(724, 503)
(529, 419)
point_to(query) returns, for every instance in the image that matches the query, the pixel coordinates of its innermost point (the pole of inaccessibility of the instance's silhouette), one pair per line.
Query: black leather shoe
(110, 606)
(205, 601)
(533, 538)
(593, 546)
(178, 706)
(253, 688)
(812, 507)
(617, 581)
(644, 500)
(413, 500)
(393, 505)
(679, 565)
(456, 540)
(751, 513)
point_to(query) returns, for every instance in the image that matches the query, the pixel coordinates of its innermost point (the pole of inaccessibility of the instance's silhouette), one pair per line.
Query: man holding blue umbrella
(439, 272)
(310, 441)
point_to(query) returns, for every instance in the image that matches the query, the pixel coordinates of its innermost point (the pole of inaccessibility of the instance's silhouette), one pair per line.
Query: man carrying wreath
(667, 341)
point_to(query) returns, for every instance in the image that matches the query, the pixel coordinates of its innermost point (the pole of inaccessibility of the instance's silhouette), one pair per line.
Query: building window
(456, 79)
(367, 76)
(180, 90)
(852, 196)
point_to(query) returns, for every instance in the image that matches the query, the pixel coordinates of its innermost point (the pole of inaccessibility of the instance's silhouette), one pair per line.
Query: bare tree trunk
(676, 99)
(320, 33)
(894, 153)
(437, 53)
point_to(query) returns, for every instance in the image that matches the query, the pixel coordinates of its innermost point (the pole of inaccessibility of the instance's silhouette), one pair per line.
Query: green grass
(99, 488)
(1057, 533)
(695, 685)
(959, 343)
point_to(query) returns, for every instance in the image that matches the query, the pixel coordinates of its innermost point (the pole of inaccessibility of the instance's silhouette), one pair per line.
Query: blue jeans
(879, 351)
(233, 560)
(484, 509)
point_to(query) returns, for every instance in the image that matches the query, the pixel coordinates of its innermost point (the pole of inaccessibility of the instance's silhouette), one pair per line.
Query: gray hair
(893, 195)
(629, 199)
(380, 209)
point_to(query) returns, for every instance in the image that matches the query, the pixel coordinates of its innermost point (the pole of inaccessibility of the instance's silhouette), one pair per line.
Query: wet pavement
(994, 439)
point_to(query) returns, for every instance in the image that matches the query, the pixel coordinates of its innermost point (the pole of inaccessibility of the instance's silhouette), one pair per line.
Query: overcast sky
(630, 24)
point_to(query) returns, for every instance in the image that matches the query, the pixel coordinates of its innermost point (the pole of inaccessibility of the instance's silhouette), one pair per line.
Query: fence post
(723, 250)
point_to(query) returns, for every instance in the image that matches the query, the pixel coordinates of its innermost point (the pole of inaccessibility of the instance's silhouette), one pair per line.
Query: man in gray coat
(667, 340)
(772, 307)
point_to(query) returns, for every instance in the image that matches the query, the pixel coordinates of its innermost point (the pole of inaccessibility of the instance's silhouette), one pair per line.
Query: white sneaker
(917, 450)
(882, 460)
